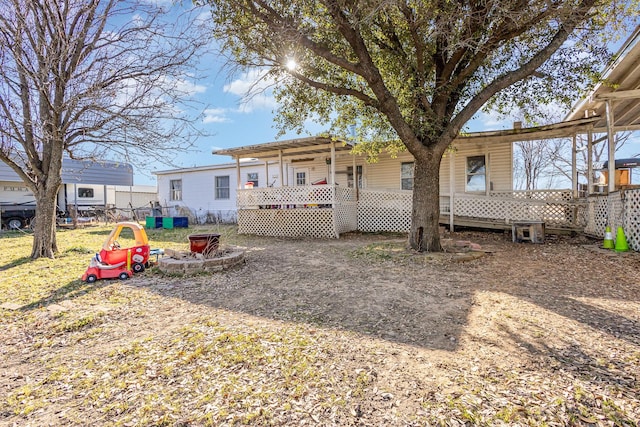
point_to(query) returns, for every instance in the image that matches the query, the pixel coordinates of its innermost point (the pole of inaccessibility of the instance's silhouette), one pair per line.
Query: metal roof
(83, 172)
(297, 147)
(621, 86)
(228, 165)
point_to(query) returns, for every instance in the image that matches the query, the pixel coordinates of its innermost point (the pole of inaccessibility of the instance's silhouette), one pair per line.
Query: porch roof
(289, 147)
(621, 88)
(314, 145)
(554, 130)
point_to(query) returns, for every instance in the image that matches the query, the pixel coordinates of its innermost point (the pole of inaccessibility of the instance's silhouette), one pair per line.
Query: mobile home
(86, 186)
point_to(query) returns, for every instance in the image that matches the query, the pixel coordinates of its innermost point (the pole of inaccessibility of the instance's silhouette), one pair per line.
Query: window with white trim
(301, 178)
(350, 176)
(253, 178)
(476, 175)
(222, 187)
(175, 189)
(406, 175)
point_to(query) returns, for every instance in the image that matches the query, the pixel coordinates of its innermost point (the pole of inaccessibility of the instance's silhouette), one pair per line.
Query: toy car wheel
(91, 278)
(123, 276)
(137, 267)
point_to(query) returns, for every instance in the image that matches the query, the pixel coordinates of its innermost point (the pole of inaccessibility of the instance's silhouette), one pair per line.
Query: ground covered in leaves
(356, 331)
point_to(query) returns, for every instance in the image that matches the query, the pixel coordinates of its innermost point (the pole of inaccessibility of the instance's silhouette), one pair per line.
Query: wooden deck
(495, 224)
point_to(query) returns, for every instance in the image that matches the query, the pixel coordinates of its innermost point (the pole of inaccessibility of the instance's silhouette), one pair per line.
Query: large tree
(413, 71)
(98, 79)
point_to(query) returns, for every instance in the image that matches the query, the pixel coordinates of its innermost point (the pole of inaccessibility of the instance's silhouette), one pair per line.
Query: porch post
(333, 174)
(574, 167)
(488, 168)
(612, 147)
(355, 176)
(238, 173)
(266, 173)
(333, 162)
(452, 187)
(589, 161)
(281, 168)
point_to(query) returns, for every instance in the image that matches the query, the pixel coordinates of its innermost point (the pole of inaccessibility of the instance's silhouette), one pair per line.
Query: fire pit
(205, 255)
(205, 244)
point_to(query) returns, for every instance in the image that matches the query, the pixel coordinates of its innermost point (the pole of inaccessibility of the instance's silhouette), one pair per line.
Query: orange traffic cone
(621, 241)
(608, 239)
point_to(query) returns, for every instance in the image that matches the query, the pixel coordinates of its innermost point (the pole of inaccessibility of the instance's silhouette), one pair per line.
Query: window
(350, 176)
(253, 178)
(222, 187)
(85, 193)
(175, 189)
(301, 178)
(406, 175)
(476, 175)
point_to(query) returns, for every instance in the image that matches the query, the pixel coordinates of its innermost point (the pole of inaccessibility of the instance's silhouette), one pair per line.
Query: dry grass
(350, 332)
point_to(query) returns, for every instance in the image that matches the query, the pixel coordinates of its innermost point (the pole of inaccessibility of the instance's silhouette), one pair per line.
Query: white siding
(137, 196)
(385, 174)
(498, 159)
(198, 189)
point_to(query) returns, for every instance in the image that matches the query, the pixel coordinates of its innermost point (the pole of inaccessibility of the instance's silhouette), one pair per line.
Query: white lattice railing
(553, 212)
(618, 209)
(384, 210)
(545, 195)
(287, 197)
(322, 211)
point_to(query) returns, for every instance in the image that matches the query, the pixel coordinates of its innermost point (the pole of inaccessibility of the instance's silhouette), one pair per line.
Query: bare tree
(412, 74)
(90, 79)
(561, 158)
(533, 164)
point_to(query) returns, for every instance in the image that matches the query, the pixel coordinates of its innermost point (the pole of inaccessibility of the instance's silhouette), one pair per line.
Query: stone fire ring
(231, 258)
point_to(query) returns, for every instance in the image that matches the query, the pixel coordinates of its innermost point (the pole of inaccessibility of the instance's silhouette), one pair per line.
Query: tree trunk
(425, 216)
(44, 232)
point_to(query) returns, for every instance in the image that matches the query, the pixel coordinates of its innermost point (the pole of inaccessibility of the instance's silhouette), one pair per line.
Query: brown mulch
(355, 331)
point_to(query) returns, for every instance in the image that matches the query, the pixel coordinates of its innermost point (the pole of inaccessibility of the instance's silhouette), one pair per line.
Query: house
(87, 187)
(208, 193)
(319, 197)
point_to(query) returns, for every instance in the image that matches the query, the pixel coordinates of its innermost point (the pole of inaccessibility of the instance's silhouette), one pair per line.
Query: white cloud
(254, 89)
(216, 115)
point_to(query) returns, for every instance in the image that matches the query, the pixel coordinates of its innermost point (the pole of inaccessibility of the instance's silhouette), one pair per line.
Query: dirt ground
(522, 334)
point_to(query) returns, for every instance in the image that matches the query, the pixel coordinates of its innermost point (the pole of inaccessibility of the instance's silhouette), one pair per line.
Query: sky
(230, 120)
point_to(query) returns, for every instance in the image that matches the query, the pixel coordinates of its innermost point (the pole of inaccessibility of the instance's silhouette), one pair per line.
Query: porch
(326, 211)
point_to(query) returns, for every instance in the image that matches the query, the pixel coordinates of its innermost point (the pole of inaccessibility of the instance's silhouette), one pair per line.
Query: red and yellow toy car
(112, 253)
(114, 261)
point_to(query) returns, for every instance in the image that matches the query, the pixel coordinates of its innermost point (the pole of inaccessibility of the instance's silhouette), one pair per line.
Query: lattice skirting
(346, 217)
(319, 223)
(631, 218)
(384, 211)
(619, 209)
